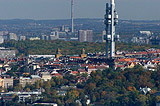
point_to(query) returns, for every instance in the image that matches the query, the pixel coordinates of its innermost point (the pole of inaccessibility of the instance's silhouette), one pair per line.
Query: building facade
(6, 53)
(85, 35)
(6, 82)
(13, 36)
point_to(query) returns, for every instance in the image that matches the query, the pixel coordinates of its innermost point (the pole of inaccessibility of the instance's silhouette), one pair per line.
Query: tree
(85, 75)
(47, 87)
(28, 89)
(15, 98)
(141, 100)
(90, 87)
(93, 98)
(157, 99)
(37, 85)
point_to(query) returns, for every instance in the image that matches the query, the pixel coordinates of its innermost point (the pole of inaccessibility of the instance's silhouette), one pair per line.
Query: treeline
(50, 47)
(67, 47)
(122, 88)
(103, 88)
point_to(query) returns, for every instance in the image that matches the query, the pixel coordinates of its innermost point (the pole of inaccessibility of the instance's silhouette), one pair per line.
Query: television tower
(72, 20)
(111, 19)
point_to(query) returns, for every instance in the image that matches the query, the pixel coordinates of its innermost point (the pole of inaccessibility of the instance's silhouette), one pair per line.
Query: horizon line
(78, 19)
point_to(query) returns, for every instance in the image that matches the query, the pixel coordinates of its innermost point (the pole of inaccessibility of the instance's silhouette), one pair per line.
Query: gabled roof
(129, 63)
(127, 60)
(82, 70)
(74, 72)
(57, 74)
(75, 57)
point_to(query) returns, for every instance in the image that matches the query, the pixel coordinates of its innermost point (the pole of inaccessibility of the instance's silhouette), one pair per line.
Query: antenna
(72, 20)
(111, 19)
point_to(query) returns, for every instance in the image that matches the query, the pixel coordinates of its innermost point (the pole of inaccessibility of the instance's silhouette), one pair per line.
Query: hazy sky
(60, 9)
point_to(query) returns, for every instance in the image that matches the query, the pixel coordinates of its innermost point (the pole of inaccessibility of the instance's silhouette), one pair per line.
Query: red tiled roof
(75, 57)
(120, 66)
(13, 61)
(84, 65)
(142, 53)
(82, 70)
(57, 74)
(128, 63)
(127, 60)
(91, 67)
(56, 64)
(74, 72)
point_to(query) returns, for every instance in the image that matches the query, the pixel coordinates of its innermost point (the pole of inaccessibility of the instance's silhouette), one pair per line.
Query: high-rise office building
(85, 35)
(54, 35)
(3, 33)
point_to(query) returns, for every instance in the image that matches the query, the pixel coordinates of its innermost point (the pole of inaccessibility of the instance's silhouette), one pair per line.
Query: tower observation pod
(111, 19)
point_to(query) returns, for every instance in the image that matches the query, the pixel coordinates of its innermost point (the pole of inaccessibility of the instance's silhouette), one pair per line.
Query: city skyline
(60, 9)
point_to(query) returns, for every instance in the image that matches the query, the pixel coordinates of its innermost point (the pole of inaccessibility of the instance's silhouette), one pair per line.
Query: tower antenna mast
(72, 15)
(111, 19)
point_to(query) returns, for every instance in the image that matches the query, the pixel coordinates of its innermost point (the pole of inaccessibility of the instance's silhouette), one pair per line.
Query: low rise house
(25, 80)
(149, 65)
(57, 75)
(81, 71)
(46, 76)
(29, 80)
(35, 78)
(90, 68)
(21, 95)
(6, 82)
(131, 64)
(145, 90)
(74, 73)
(45, 104)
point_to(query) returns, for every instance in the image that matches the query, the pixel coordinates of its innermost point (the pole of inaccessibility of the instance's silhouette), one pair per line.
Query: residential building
(1, 82)
(155, 41)
(22, 38)
(148, 33)
(6, 53)
(44, 37)
(13, 36)
(24, 80)
(54, 35)
(3, 33)
(29, 80)
(6, 82)
(45, 104)
(85, 35)
(45, 76)
(34, 38)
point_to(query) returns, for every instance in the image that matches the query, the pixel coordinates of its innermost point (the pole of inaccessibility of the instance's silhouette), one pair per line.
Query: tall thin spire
(112, 1)
(110, 22)
(72, 15)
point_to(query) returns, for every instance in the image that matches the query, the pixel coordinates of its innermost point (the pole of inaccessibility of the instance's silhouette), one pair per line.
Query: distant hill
(128, 26)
